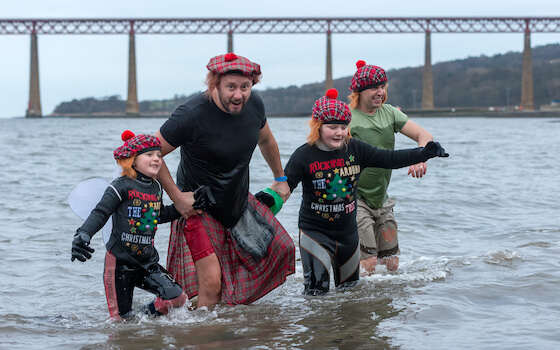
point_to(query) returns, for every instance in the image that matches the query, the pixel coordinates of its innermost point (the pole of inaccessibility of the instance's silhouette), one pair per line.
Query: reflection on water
(478, 236)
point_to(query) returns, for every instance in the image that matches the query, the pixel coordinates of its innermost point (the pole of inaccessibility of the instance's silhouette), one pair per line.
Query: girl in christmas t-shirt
(329, 166)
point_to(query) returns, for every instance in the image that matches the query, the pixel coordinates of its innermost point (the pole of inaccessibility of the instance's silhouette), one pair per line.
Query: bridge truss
(281, 25)
(231, 26)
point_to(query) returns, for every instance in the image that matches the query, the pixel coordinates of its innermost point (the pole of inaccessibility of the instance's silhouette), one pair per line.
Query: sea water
(479, 237)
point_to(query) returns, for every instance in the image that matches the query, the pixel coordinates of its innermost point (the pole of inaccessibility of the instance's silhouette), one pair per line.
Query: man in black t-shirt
(217, 132)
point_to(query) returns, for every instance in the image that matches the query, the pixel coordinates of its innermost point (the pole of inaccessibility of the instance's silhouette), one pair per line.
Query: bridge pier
(527, 75)
(132, 107)
(328, 79)
(230, 41)
(34, 105)
(428, 80)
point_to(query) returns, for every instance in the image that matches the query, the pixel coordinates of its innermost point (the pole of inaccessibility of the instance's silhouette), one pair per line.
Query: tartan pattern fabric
(366, 77)
(231, 62)
(328, 109)
(135, 145)
(244, 280)
(180, 263)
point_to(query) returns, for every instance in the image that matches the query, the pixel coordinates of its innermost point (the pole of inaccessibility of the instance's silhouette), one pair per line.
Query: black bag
(253, 233)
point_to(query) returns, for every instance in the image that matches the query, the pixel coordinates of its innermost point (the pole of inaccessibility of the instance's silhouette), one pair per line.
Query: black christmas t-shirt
(329, 180)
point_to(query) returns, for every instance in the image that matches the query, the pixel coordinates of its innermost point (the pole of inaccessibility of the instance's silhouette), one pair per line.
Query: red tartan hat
(136, 144)
(367, 76)
(329, 110)
(229, 62)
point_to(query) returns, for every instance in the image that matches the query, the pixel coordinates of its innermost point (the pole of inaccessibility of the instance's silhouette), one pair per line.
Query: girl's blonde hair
(126, 165)
(354, 98)
(315, 133)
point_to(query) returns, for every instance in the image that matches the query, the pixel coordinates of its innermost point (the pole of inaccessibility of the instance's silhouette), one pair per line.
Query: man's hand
(282, 189)
(184, 204)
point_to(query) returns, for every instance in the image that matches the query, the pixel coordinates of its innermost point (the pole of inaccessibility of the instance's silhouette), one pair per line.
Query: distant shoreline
(414, 113)
(482, 113)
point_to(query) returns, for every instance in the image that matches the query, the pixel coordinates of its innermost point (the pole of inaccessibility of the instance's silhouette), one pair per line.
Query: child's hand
(434, 149)
(80, 247)
(203, 198)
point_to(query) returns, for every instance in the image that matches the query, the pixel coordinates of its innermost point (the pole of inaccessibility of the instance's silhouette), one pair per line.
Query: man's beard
(225, 104)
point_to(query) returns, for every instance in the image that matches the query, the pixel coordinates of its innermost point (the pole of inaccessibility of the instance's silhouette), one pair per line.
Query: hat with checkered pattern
(136, 144)
(367, 76)
(329, 110)
(229, 62)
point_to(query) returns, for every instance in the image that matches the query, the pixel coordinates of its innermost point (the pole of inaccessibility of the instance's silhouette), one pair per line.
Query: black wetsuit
(132, 260)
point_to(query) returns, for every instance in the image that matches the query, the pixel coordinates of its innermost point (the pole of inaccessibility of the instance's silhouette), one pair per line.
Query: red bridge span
(326, 26)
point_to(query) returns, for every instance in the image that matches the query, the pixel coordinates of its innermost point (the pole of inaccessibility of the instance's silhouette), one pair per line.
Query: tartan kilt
(244, 280)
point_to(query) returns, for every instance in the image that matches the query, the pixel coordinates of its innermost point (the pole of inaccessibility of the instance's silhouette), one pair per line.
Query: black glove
(265, 198)
(434, 149)
(203, 198)
(80, 247)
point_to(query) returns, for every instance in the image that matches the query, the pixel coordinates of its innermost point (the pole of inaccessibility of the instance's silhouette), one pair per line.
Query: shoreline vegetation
(442, 112)
(476, 86)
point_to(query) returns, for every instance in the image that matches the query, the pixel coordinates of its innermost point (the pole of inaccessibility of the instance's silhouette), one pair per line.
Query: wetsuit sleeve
(168, 213)
(388, 159)
(101, 213)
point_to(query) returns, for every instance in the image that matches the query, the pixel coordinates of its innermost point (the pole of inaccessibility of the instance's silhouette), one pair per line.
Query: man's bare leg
(209, 273)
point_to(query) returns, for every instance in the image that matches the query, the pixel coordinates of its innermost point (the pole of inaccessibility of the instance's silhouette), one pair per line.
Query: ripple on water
(478, 238)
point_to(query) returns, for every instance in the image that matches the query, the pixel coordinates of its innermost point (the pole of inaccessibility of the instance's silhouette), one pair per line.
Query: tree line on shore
(474, 82)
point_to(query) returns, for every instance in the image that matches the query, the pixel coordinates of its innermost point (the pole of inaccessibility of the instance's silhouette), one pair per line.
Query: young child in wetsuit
(134, 201)
(329, 166)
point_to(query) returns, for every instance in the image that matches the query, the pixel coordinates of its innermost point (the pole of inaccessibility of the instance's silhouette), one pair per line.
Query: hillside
(474, 82)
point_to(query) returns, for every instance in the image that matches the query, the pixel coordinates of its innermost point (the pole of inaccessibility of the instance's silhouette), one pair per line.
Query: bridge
(326, 26)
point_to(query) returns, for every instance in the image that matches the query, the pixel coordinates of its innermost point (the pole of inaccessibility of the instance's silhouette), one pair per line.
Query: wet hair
(213, 80)
(126, 165)
(315, 133)
(354, 98)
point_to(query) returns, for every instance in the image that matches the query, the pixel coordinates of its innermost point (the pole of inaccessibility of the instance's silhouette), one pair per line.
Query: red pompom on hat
(367, 76)
(332, 93)
(136, 144)
(229, 62)
(329, 110)
(230, 56)
(127, 134)
(360, 64)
